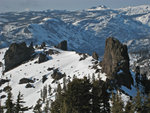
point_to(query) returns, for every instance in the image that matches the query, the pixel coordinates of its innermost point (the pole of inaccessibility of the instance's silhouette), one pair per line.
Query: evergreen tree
(19, 107)
(49, 89)
(117, 104)
(41, 93)
(37, 108)
(56, 106)
(100, 98)
(46, 108)
(129, 107)
(64, 84)
(43, 44)
(9, 103)
(146, 107)
(1, 109)
(137, 102)
(78, 96)
(44, 93)
(93, 78)
(64, 107)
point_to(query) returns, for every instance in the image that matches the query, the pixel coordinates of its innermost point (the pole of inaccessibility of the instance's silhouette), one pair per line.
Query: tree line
(13, 107)
(80, 96)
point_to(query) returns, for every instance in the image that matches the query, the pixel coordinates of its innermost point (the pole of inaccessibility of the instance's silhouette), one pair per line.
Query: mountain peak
(100, 7)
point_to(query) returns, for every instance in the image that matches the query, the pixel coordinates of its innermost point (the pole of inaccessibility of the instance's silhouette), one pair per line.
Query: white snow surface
(66, 62)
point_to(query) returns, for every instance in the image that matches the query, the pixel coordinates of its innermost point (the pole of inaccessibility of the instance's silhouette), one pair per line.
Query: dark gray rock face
(62, 45)
(57, 75)
(29, 86)
(3, 81)
(95, 56)
(42, 58)
(16, 55)
(25, 80)
(51, 52)
(1, 64)
(116, 62)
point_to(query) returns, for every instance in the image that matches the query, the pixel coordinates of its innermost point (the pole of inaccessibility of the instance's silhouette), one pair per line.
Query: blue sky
(21, 5)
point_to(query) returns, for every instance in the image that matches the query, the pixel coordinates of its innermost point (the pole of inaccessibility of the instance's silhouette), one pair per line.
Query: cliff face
(17, 54)
(116, 62)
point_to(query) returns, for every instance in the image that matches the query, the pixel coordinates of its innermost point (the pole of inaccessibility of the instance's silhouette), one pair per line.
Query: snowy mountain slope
(83, 29)
(67, 62)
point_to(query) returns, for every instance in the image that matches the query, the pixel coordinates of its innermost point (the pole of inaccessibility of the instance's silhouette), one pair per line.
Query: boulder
(44, 78)
(42, 58)
(25, 80)
(3, 96)
(7, 88)
(62, 45)
(49, 69)
(57, 75)
(116, 62)
(51, 52)
(3, 81)
(95, 56)
(83, 56)
(29, 86)
(1, 64)
(16, 55)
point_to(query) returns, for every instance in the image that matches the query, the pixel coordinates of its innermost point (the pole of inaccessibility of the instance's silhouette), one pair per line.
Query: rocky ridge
(115, 62)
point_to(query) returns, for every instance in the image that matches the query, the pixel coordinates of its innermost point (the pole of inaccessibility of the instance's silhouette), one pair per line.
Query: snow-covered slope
(83, 29)
(67, 62)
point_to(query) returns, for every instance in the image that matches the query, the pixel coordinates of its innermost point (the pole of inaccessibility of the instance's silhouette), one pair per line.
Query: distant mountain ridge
(84, 30)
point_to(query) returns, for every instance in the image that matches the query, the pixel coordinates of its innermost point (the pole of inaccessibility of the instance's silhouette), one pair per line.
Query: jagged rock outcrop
(95, 56)
(116, 62)
(3, 81)
(17, 54)
(57, 75)
(51, 52)
(43, 45)
(62, 45)
(42, 58)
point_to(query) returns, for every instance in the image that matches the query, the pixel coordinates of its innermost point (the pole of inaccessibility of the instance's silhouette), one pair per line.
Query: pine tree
(117, 104)
(41, 93)
(1, 109)
(100, 97)
(43, 44)
(19, 104)
(93, 78)
(96, 92)
(146, 107)
(64, 84)
(78, 96)
(56, 106)
(44, 93)
(49, 89)
(105, 106)
(64, 107)
(46, 108)
(59, 89)
(37, 108)
(129, 107)
(137, 102)
(9, 103)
